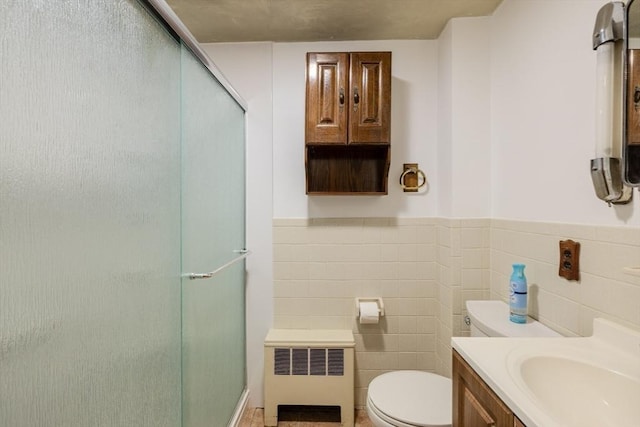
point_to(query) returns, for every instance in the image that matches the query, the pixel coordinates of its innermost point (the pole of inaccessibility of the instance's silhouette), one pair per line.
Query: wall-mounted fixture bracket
(606, 174)
(411, 177)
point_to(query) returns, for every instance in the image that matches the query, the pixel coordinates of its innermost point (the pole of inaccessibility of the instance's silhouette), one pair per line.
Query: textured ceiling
(322, 20)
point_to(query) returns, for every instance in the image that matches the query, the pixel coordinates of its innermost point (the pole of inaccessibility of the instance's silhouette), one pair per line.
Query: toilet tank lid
(492, 318)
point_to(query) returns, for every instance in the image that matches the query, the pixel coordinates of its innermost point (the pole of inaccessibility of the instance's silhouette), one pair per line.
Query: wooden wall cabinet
(474, 403)
(347, 122)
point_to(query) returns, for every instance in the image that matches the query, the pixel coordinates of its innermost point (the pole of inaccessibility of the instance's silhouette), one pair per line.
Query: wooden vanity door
(327, 98)
(370, 97)
(475, 404)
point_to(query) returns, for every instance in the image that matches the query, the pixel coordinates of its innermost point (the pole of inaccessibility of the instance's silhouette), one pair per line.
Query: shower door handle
(194, 276)
(243, 253)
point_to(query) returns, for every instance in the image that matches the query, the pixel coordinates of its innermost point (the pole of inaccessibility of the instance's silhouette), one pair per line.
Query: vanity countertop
(545, 380)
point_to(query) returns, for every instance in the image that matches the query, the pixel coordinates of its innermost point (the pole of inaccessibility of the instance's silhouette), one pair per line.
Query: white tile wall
(605, 288)
(463, 267)
(426, 268)
(322, 265)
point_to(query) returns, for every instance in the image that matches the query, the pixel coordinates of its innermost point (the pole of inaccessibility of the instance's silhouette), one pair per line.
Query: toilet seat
(411, 399)
(379, 419)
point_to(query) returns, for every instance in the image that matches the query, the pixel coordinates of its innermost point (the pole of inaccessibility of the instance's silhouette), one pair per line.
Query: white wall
(471, 118)
(413, 131)
(445, 122)
(464, 140)
(542, 114)
(248, 68)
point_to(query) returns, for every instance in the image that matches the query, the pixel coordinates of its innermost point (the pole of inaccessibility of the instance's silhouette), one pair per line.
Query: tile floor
(307, 416)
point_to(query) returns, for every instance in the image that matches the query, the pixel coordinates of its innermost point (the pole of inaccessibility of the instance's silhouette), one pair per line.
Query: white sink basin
(563, 382)
(577, 393)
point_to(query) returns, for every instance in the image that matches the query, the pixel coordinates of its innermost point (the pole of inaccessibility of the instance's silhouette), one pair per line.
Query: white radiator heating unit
(309, 367)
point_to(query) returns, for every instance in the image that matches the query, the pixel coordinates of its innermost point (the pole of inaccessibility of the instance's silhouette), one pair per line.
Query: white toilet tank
(491, 319)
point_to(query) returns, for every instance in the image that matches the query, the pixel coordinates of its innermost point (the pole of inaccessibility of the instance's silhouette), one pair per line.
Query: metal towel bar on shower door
(243, 254)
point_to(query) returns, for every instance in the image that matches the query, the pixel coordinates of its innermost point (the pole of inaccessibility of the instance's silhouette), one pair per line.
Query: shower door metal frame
(164, 12)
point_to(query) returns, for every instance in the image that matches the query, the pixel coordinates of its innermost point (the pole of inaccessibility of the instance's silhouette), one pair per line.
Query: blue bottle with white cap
(518, 295)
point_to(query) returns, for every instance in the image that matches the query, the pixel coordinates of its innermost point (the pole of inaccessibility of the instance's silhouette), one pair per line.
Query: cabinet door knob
(356, 96)
(341, 97)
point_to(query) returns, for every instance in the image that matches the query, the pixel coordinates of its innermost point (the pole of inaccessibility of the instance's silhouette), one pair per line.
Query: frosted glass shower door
(89, 216)
(213, 214)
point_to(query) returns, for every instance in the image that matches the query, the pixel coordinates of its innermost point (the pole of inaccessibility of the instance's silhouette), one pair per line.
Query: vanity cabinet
(474, 403)
(347, 122)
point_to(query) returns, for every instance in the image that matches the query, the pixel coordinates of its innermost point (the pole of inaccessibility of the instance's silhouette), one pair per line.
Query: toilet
(422, 399)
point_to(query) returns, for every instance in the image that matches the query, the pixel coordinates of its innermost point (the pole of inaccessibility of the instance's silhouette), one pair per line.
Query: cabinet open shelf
(347, 169)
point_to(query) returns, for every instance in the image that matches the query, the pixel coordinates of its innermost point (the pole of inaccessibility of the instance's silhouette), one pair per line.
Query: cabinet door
(370, 97)
(633, 97)
(474, 404)
(327, 92)
(517, 422)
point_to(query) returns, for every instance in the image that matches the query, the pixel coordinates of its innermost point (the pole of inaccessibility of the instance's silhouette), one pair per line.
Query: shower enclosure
(213, 205)
(121, 172)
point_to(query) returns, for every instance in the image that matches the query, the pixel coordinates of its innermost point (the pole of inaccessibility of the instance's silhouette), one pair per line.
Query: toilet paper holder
(377, 300)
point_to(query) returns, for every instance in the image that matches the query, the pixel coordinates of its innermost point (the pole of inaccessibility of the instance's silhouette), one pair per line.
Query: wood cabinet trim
(486, 408)
(517, 422)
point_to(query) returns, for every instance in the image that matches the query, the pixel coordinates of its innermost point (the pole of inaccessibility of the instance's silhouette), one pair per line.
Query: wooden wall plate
(569, 265)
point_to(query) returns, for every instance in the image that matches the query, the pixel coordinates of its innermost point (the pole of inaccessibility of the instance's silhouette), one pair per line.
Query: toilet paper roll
(369, 313)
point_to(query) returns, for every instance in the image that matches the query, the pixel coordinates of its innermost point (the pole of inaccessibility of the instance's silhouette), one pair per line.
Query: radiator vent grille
(318, 361)
(308, 361)
(300, 361)
(336, 361)
(282, 361)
